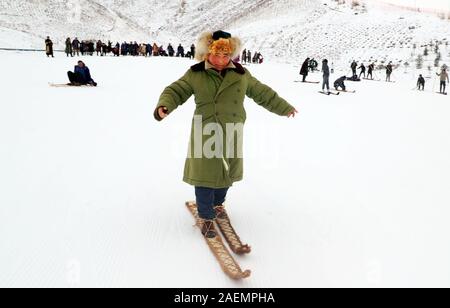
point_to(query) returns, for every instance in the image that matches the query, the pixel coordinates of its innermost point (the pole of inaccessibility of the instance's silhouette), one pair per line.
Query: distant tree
(436, 48)
(355, 4)
(437, 60)
(406, 64)
(419, 62)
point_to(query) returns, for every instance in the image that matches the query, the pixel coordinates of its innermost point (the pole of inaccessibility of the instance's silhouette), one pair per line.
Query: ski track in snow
(352, 192)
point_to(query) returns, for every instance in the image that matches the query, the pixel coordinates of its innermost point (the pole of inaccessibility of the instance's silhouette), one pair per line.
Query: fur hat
(218, 41)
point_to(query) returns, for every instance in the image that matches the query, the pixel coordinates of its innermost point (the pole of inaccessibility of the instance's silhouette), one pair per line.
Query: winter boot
(207, 228)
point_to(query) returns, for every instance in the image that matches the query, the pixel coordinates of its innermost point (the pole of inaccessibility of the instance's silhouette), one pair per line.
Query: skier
(444, 79)
(340, 83)
(81, 76)
(370, 72)
(249, 56)
(354, 66)
(49, 47)
(304, 69)
(69, 50)
(363, 70)
(389, 71)
(421, 83)
(326, 76)
(313, 65)
(220, 87)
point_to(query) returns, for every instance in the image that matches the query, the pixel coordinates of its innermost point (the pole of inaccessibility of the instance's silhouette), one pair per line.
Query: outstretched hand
(163, 112)
(292, 113)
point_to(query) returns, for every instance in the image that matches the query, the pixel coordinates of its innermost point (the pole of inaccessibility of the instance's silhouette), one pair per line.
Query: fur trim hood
(206, 39)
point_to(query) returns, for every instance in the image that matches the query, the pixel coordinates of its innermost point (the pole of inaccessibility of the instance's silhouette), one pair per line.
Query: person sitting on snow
(340, 83)
(81, 75)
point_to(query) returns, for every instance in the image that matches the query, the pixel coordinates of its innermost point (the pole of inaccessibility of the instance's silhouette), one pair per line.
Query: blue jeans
(207, 199)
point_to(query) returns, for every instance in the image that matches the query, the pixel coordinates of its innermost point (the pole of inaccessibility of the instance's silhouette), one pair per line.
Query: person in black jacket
(326, 75)
(370, 71)
(389, 70)
(170, 50)
(76, 47)
(304, 70)
(244, 56)
(192, 51)
(340, 83)
(421, 83)
(354, 67)
(180, 51)
(49, 47)
(362, 67)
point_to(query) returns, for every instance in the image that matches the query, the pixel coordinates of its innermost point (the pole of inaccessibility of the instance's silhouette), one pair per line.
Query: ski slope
(351, 193)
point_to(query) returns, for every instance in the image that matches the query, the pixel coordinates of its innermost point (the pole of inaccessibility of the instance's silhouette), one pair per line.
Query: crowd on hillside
(78, 47)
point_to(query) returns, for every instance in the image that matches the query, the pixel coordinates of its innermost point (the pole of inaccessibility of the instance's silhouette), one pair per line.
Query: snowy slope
(353, 192)
(428, 5)
(283, 30)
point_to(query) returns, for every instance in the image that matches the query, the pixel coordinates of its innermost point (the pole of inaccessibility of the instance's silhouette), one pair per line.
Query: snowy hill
(283, 30)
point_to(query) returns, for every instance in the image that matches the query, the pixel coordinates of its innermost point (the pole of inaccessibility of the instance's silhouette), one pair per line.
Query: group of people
(148, 50)
(76, 47)
(443, 78)
(86, 47)
(311, 63)
(81, 74)
(247, 57)
(369, 69)
(89, 47)
(339, 84)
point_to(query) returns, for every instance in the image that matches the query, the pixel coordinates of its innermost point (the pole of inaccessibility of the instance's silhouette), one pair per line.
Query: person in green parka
(69, 50)
(219, 86)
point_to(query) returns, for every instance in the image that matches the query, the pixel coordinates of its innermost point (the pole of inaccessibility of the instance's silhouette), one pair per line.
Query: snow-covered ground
(352, 192)
(436, 5)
